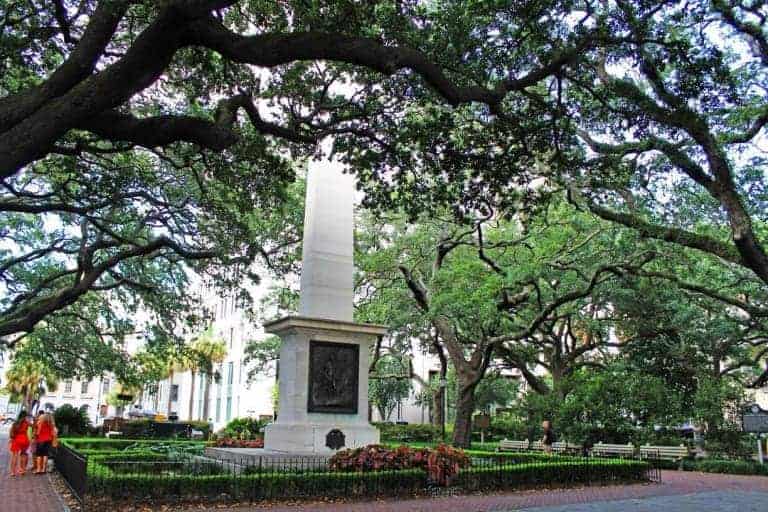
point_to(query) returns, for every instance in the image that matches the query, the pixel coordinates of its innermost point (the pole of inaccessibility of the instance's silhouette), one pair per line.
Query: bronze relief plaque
(333, 377)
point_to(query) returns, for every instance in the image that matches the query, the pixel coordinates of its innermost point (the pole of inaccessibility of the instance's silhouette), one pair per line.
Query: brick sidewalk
(674, 483)
(29, 493)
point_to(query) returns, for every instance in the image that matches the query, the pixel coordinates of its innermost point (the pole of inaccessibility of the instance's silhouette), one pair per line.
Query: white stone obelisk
(325, 318)
(328, 267)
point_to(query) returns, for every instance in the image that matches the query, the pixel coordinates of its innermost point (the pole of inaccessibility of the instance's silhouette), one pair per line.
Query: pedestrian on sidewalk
(19, 444)
(45, 436)
(549, 438)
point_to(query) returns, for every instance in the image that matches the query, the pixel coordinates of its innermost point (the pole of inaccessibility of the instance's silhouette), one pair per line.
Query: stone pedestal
(323, 403)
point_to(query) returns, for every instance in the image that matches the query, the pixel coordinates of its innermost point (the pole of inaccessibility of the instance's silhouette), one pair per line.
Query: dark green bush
(732, 467)
(144, 429)
(729, 443)
(391, 432)
(243, 428)
(132, 481)
(504, 427)
(71, 421)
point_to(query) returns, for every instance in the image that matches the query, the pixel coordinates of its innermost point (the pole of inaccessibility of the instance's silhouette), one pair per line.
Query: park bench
(673, 453)
(507, 445)
(613, 450)
(565, 447)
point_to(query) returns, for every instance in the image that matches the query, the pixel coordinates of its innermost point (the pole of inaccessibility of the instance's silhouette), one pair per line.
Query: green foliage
(611, 405)
(731, 467)
(495, 390)
(143, 484)
(243, 428)
(506, 426)
(144, 428)
(71, 421)
(391, 432)
(389, 385)
(261, 355)
(713, 399)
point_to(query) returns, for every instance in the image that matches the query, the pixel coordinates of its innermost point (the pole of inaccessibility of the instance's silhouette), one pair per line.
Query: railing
(73, 467)
(250, 479)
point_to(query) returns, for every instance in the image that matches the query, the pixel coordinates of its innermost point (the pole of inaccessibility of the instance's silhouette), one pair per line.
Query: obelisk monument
(323, 382)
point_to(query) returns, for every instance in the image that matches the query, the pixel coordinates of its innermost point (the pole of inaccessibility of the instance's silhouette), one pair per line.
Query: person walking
(19, 444)
(549, 437)
(45, 436)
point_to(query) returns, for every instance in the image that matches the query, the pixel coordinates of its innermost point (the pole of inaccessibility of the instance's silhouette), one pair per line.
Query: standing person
(549, 436)
(18, 445)
(44, 436)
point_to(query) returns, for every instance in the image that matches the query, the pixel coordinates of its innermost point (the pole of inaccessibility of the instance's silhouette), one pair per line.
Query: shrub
(729, 443)
(441, 463)
(392, 432)
(505, 427)
(71, 421)
(733, 467)
(228, 442)
(145, 429)
(254, 485)
(243, 428)
(377, 457)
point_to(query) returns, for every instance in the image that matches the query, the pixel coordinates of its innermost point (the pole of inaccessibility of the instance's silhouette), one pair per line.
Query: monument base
(323, 398)
(302, 438)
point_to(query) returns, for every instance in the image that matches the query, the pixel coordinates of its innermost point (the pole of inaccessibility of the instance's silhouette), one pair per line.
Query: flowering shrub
(444, 463)
(228, 442)
(441, 463)
(375, 457)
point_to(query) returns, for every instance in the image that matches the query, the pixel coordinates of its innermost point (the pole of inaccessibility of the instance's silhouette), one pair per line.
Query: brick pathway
(29, 493)
(675, 484)
(720, 501)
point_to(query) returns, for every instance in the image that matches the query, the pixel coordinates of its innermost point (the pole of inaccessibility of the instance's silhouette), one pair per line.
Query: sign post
(754, 419)
(482, 421)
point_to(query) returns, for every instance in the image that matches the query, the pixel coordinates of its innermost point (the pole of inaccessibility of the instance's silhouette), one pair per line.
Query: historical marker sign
(335, 439)
(755, 419)
(333, 377)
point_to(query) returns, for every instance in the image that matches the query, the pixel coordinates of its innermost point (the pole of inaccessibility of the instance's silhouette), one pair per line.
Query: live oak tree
(135, 135)
(673, 126)
(490, 288)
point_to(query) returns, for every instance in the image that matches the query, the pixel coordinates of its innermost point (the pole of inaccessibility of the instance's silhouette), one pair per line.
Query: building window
(230, 372)
(229, 407)
(105, 386)
(68, 386)
(218, 410)
(175, 393)
(84, 387)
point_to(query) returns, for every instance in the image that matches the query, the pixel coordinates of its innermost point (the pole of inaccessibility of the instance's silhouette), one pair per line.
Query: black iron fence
(73, 467)
(192, 479)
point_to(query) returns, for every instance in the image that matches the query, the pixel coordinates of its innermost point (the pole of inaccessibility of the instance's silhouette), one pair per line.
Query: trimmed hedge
(391, 432)
(143, 429)
(731, 467)
(102, 443)
(491, 472)
(562, 472)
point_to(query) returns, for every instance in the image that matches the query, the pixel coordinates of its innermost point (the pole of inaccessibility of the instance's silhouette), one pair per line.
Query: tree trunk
(437, 407)
(465, 407)
(192, 397)
(206, 396)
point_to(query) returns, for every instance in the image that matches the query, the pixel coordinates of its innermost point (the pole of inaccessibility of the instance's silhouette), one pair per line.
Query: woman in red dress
(19, 444)
(45, 433)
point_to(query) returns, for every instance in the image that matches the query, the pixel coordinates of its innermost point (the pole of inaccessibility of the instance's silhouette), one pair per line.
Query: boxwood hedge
(134, 477)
